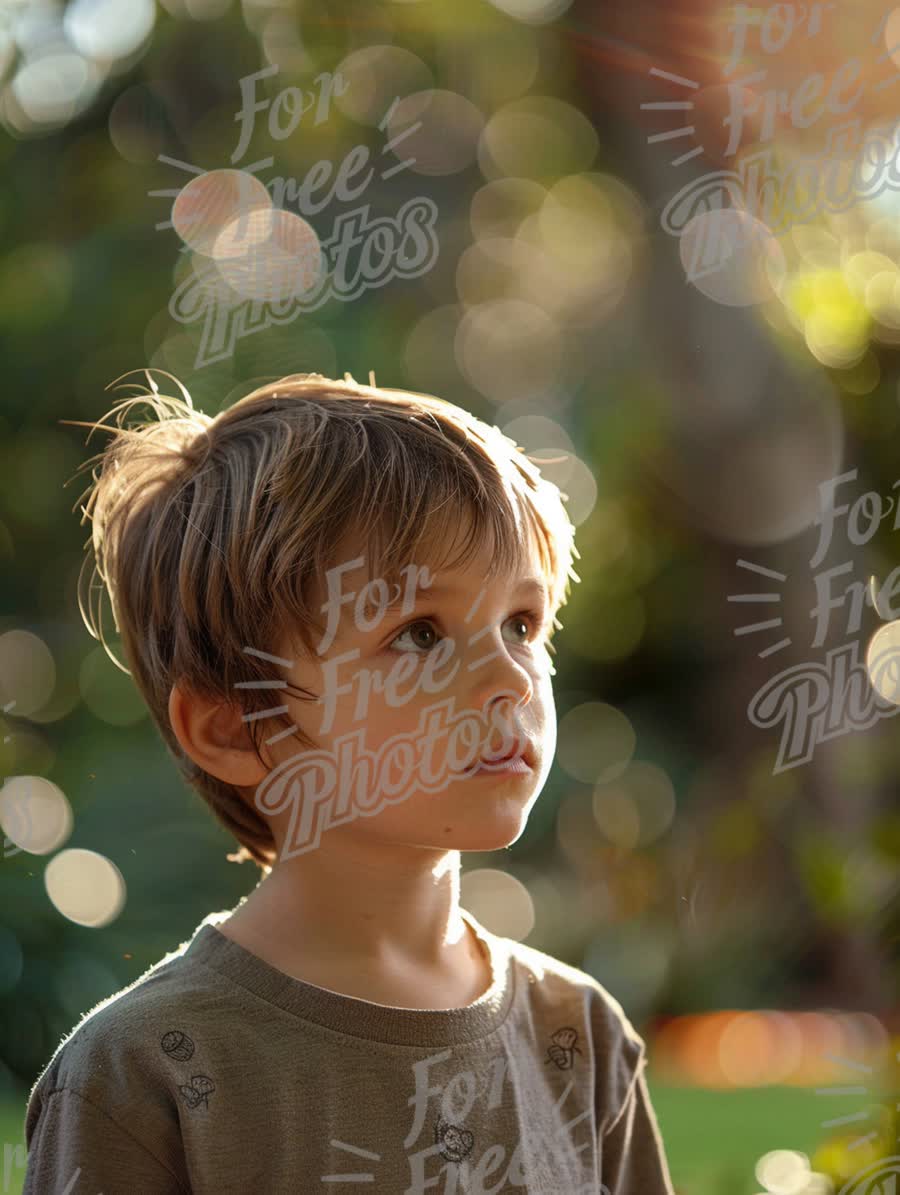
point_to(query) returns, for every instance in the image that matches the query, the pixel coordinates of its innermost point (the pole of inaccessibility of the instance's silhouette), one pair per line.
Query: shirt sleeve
(632, 1157)
(75, 1148)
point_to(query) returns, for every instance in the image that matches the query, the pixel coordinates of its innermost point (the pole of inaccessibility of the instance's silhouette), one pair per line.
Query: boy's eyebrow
(533, 585)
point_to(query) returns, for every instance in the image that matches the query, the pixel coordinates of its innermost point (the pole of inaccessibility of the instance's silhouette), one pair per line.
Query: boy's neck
(430, 960)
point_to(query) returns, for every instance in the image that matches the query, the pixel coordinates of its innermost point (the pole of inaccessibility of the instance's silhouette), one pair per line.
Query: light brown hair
(212, 534)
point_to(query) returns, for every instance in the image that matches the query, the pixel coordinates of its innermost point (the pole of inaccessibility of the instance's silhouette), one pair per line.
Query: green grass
(12, 1133)
(713, 1139)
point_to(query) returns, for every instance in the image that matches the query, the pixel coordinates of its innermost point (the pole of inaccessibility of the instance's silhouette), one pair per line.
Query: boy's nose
(495, 674)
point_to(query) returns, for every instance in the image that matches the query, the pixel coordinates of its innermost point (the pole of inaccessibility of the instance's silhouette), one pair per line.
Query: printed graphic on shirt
(460, 1159)
(198, 1091)
(454, 1143)
(177, 1045)
(563, 1049)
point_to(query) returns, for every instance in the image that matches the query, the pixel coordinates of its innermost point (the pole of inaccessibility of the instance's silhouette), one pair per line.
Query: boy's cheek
(543, 713)
(543, 691)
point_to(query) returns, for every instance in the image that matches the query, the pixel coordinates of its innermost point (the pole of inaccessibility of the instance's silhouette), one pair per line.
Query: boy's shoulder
(147, 1030)
(573, 1015)
(97, 1050)
(551, 980)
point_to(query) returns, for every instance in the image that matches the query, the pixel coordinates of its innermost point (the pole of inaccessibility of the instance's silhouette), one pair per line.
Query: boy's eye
(528, 624)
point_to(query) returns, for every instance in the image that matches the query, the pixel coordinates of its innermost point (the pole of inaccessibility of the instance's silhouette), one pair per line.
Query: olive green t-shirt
(216, 1073)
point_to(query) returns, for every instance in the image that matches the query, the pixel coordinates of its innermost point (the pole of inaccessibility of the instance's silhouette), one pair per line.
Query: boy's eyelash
(535, 617)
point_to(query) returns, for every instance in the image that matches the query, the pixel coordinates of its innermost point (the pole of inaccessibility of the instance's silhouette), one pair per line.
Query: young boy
(377, 575)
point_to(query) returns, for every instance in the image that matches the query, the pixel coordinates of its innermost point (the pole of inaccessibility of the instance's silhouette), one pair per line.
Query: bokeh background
(719, 841)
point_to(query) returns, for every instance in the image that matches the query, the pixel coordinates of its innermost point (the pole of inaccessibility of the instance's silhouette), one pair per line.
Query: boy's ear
(214, 736)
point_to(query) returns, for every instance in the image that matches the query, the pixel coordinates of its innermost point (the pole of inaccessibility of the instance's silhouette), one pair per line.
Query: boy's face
(402, 685)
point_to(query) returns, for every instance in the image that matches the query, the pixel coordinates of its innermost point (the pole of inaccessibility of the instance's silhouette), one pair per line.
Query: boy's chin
(482, 833)
(488, 842)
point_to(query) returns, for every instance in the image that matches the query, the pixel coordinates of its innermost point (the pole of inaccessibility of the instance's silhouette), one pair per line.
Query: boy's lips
(523, 749)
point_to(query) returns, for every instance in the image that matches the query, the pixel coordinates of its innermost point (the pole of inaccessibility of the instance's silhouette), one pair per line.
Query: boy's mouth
(523, 752)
